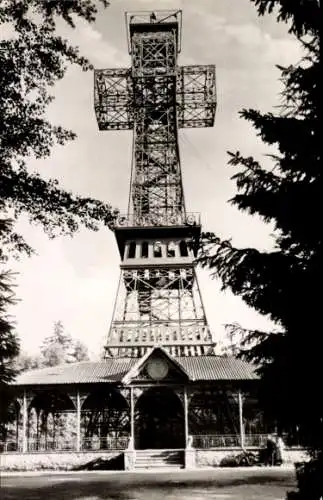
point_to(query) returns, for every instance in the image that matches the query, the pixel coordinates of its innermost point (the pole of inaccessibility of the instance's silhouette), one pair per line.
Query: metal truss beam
(117, 95)
(196, 96)
(113, 102)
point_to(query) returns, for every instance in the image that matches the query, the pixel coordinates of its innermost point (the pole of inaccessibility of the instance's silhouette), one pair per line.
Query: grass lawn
(218, 484)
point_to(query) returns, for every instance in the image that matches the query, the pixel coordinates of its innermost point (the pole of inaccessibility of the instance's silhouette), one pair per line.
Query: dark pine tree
(284, 284)
(9, 349)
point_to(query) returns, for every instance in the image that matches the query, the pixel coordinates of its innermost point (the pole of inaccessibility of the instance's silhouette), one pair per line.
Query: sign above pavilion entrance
(156, 366)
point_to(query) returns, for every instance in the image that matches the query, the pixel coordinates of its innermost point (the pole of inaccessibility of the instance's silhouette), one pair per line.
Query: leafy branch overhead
(32, 60)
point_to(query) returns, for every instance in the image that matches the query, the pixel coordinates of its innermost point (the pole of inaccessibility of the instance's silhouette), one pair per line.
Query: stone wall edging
(212, 458)
(52, 461)
(69, 460)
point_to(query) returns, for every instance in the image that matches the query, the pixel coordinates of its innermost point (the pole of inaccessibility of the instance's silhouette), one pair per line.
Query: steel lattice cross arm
(154, 43)
(113, 99)
(195, 97)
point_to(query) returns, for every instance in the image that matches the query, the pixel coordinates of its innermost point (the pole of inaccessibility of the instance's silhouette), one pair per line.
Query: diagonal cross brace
(115, 106)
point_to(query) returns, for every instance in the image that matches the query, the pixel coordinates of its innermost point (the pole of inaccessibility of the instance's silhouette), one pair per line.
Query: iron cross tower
(158, 300)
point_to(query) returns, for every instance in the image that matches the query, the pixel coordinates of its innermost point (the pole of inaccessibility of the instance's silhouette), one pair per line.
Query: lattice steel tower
(158, 300)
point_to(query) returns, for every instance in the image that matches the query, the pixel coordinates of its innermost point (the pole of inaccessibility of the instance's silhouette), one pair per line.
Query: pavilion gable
(156, 365)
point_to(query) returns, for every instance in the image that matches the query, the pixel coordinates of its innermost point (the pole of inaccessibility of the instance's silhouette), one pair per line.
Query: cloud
(244, 45)
(247, 34)
(253, 39)
(93, 45)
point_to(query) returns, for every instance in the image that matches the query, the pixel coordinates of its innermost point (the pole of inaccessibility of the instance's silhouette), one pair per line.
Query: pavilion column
(186, 430)
(132, 420)
(241, 426)
(17, 426)
(24, 423)
(189, 452)
(37, 428)
(129, 453)
(78, 421)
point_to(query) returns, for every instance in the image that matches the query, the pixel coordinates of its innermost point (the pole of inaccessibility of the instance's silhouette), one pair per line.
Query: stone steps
(149, 459)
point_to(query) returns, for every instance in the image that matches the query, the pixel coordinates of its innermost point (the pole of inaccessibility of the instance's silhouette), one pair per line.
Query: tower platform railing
(173, 333)
(153, 220)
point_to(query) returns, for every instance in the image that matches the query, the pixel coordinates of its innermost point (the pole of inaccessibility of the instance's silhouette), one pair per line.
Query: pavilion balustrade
(209, 441)
(203, 441)
(106, 443)
(51, 445)
(59, 445)
(228, 441)
(10, 446)
(122, 442)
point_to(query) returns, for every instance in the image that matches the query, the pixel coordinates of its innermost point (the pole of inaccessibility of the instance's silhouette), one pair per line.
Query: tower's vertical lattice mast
(156, 190)
(158, 299)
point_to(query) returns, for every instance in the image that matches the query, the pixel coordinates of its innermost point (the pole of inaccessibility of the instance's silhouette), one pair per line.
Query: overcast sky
(75, 280)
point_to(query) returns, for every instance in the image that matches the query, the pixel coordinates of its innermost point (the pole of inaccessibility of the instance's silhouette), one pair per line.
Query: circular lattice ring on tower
(173, 219)
(122, 220)
(190, 220)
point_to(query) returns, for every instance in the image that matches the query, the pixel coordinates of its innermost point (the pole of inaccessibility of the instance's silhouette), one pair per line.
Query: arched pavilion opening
(51, 421)
(105, 420)
(213, 418)
(159, 420)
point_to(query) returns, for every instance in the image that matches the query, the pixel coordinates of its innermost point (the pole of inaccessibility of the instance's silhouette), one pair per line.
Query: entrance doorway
(159, 420)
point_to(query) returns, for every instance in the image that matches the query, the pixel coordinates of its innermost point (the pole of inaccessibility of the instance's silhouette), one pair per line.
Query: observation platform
(150, 226)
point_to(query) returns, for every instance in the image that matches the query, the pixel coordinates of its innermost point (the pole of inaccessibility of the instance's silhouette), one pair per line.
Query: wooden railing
(107, 443)
(51, 445)
(10, 446)
(56, 445)
(205, 441)
(228, 441)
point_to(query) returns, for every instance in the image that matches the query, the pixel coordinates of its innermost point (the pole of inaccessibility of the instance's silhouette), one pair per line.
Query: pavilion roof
(113, 370)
